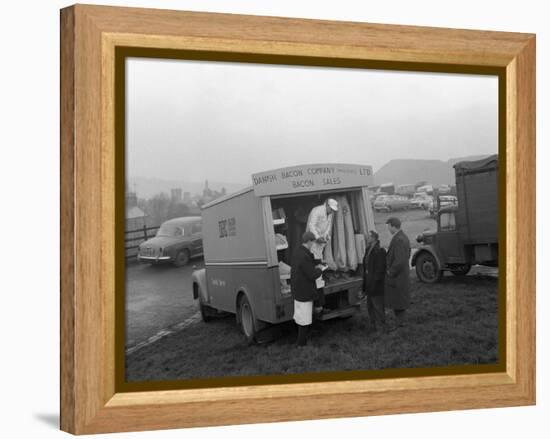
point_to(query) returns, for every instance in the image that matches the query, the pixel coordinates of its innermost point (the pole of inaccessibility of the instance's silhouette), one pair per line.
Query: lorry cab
(250, 236)
(441, 249)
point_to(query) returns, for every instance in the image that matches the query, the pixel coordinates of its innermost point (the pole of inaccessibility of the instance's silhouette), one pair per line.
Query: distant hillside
(410, 171)
(148, 187)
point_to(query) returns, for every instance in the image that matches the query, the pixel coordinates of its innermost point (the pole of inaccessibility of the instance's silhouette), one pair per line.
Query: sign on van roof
(311, 178)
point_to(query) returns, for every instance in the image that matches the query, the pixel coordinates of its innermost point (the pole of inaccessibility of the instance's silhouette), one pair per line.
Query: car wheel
(182, 258)
(247, 320)
(461, 270)
(427, 268)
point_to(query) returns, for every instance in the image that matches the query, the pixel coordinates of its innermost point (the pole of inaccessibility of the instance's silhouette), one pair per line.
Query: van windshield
(170, 230)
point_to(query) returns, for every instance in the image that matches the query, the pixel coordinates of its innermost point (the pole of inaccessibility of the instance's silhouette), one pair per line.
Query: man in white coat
(319, 223)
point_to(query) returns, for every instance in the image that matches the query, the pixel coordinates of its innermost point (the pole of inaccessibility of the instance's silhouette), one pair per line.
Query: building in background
(176, 194)
(136, 222)
(209, 194)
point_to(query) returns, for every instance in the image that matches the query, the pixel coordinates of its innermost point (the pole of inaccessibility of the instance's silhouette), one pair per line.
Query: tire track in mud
(164, 333)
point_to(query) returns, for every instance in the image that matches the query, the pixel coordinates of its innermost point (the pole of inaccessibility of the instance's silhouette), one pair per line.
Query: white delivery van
(249, 237)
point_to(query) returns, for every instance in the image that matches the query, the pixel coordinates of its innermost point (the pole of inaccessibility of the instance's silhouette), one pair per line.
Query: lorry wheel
(182, 258)
(247, 320)
(461, 270)
(427, 269)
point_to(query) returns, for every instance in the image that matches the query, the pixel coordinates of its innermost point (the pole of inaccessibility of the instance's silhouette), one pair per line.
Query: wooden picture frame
(91, 400)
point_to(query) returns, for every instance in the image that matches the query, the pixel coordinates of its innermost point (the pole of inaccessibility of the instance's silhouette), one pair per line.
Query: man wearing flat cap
(396, 288)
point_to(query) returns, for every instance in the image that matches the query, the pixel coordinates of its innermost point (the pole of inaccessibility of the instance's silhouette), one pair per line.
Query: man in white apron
(319, 223)
(303, 273)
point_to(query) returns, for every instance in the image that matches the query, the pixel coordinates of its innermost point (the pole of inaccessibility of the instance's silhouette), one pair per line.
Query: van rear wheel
(427, 268)
(247, 320)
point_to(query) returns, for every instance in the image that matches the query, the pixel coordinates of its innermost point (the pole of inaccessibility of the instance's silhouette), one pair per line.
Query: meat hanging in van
(344, 249)
(339, 239)
(351, 248)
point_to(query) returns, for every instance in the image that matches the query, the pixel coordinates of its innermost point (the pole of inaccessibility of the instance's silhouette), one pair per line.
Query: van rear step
(338, 313)
(335, 285)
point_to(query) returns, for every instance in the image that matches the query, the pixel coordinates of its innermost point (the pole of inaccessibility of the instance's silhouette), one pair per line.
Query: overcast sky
(195, 120)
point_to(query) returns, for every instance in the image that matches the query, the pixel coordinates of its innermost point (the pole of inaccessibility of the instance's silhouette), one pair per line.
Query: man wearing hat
(396, 285)
(319, 223)
(303, 273)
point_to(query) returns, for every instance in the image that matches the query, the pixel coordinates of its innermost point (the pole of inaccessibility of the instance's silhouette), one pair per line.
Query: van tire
(246, 320)
(207, 313)
(182, 258)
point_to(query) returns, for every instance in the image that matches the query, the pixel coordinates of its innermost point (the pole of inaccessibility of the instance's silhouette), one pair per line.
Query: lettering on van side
(218, 282)
(302, 183)
(332, 181)
(227, 227)
(292, 173)
(321, 170)
(271, 178)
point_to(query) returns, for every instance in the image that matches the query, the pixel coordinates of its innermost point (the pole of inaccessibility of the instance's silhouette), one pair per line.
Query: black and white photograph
(284, 219)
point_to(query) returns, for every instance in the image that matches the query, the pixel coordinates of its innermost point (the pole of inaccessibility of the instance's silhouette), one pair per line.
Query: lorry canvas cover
(477, 165)
(477, 192)
(311, 178)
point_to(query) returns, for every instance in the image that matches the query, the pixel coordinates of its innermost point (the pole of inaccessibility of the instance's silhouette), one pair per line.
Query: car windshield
(170, 230)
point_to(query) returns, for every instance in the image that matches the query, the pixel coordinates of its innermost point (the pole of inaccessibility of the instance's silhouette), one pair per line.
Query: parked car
(421, 200)
(177, 241)
(391, 202)
(444, 200)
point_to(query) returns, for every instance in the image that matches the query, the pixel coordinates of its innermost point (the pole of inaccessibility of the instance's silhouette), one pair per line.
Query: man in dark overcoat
(374, 273)
(303, 273)
(396, 291)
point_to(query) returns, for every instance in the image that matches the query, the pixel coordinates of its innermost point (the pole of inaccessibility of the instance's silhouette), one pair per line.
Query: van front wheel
(246, 319)
(206, 312)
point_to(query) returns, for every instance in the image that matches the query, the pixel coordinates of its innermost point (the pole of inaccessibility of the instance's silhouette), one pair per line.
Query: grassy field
(451, 323)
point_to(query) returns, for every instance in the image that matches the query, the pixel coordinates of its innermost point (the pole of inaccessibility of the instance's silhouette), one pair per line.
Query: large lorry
(467, 233)
(249, 237)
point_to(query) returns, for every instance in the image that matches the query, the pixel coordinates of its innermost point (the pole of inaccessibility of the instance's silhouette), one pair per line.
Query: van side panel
(261, 286)
(233, 230)
(259, 283)
(219, 281)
